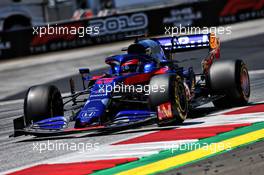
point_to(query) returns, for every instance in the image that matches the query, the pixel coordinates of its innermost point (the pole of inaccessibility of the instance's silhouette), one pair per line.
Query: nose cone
(86, 119)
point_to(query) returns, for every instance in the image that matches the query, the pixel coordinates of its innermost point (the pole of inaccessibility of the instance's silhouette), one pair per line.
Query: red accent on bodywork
(162, 70)
(96, 77)
(85, 129)
(140, 78)
(207, 62)
(133, 61)
(144, 77)
(218, 53)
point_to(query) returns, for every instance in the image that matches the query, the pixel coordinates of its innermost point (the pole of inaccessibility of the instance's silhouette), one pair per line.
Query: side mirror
(84, 71)
(85, 75)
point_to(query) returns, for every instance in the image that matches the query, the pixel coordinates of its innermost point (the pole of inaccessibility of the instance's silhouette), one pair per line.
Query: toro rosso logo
(234, 6)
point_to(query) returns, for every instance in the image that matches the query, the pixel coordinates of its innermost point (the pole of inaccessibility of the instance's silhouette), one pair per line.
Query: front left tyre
(42, 102)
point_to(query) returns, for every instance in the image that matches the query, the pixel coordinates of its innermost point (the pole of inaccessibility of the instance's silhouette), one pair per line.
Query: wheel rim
(180, 99)
(244, 81)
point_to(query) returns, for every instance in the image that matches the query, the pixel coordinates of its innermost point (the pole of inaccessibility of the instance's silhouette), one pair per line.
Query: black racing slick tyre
(42, 102)
(170, 90)
(230, 78)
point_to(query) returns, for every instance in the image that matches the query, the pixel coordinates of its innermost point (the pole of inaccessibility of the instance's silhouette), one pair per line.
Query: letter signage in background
(117, 27)
(241, 10)
(119, 24)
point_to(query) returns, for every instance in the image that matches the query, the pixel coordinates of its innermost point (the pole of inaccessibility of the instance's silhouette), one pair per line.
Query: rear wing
(188, 42)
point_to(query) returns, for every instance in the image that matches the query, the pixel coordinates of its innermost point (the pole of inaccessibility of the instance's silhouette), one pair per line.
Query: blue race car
(143, 86)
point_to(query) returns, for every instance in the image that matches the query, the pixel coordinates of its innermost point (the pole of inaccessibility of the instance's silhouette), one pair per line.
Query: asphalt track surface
(18, 152)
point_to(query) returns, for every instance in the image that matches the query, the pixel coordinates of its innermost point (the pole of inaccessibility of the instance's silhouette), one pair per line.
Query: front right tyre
(170, 101)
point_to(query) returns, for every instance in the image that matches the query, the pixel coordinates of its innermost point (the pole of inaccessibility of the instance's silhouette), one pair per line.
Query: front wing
(20, 129)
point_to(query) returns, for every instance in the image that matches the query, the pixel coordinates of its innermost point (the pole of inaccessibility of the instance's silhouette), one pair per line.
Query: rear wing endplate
(189, 42)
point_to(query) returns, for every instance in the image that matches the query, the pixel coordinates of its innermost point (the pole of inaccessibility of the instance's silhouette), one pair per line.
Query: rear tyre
(171, 91)
(42, 102)
(231, 79)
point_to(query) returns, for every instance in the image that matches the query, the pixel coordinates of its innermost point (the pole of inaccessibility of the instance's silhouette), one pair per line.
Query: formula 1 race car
(143, 85)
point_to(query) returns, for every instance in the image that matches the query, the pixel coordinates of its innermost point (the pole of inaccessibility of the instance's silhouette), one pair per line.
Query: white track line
(256, 72)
